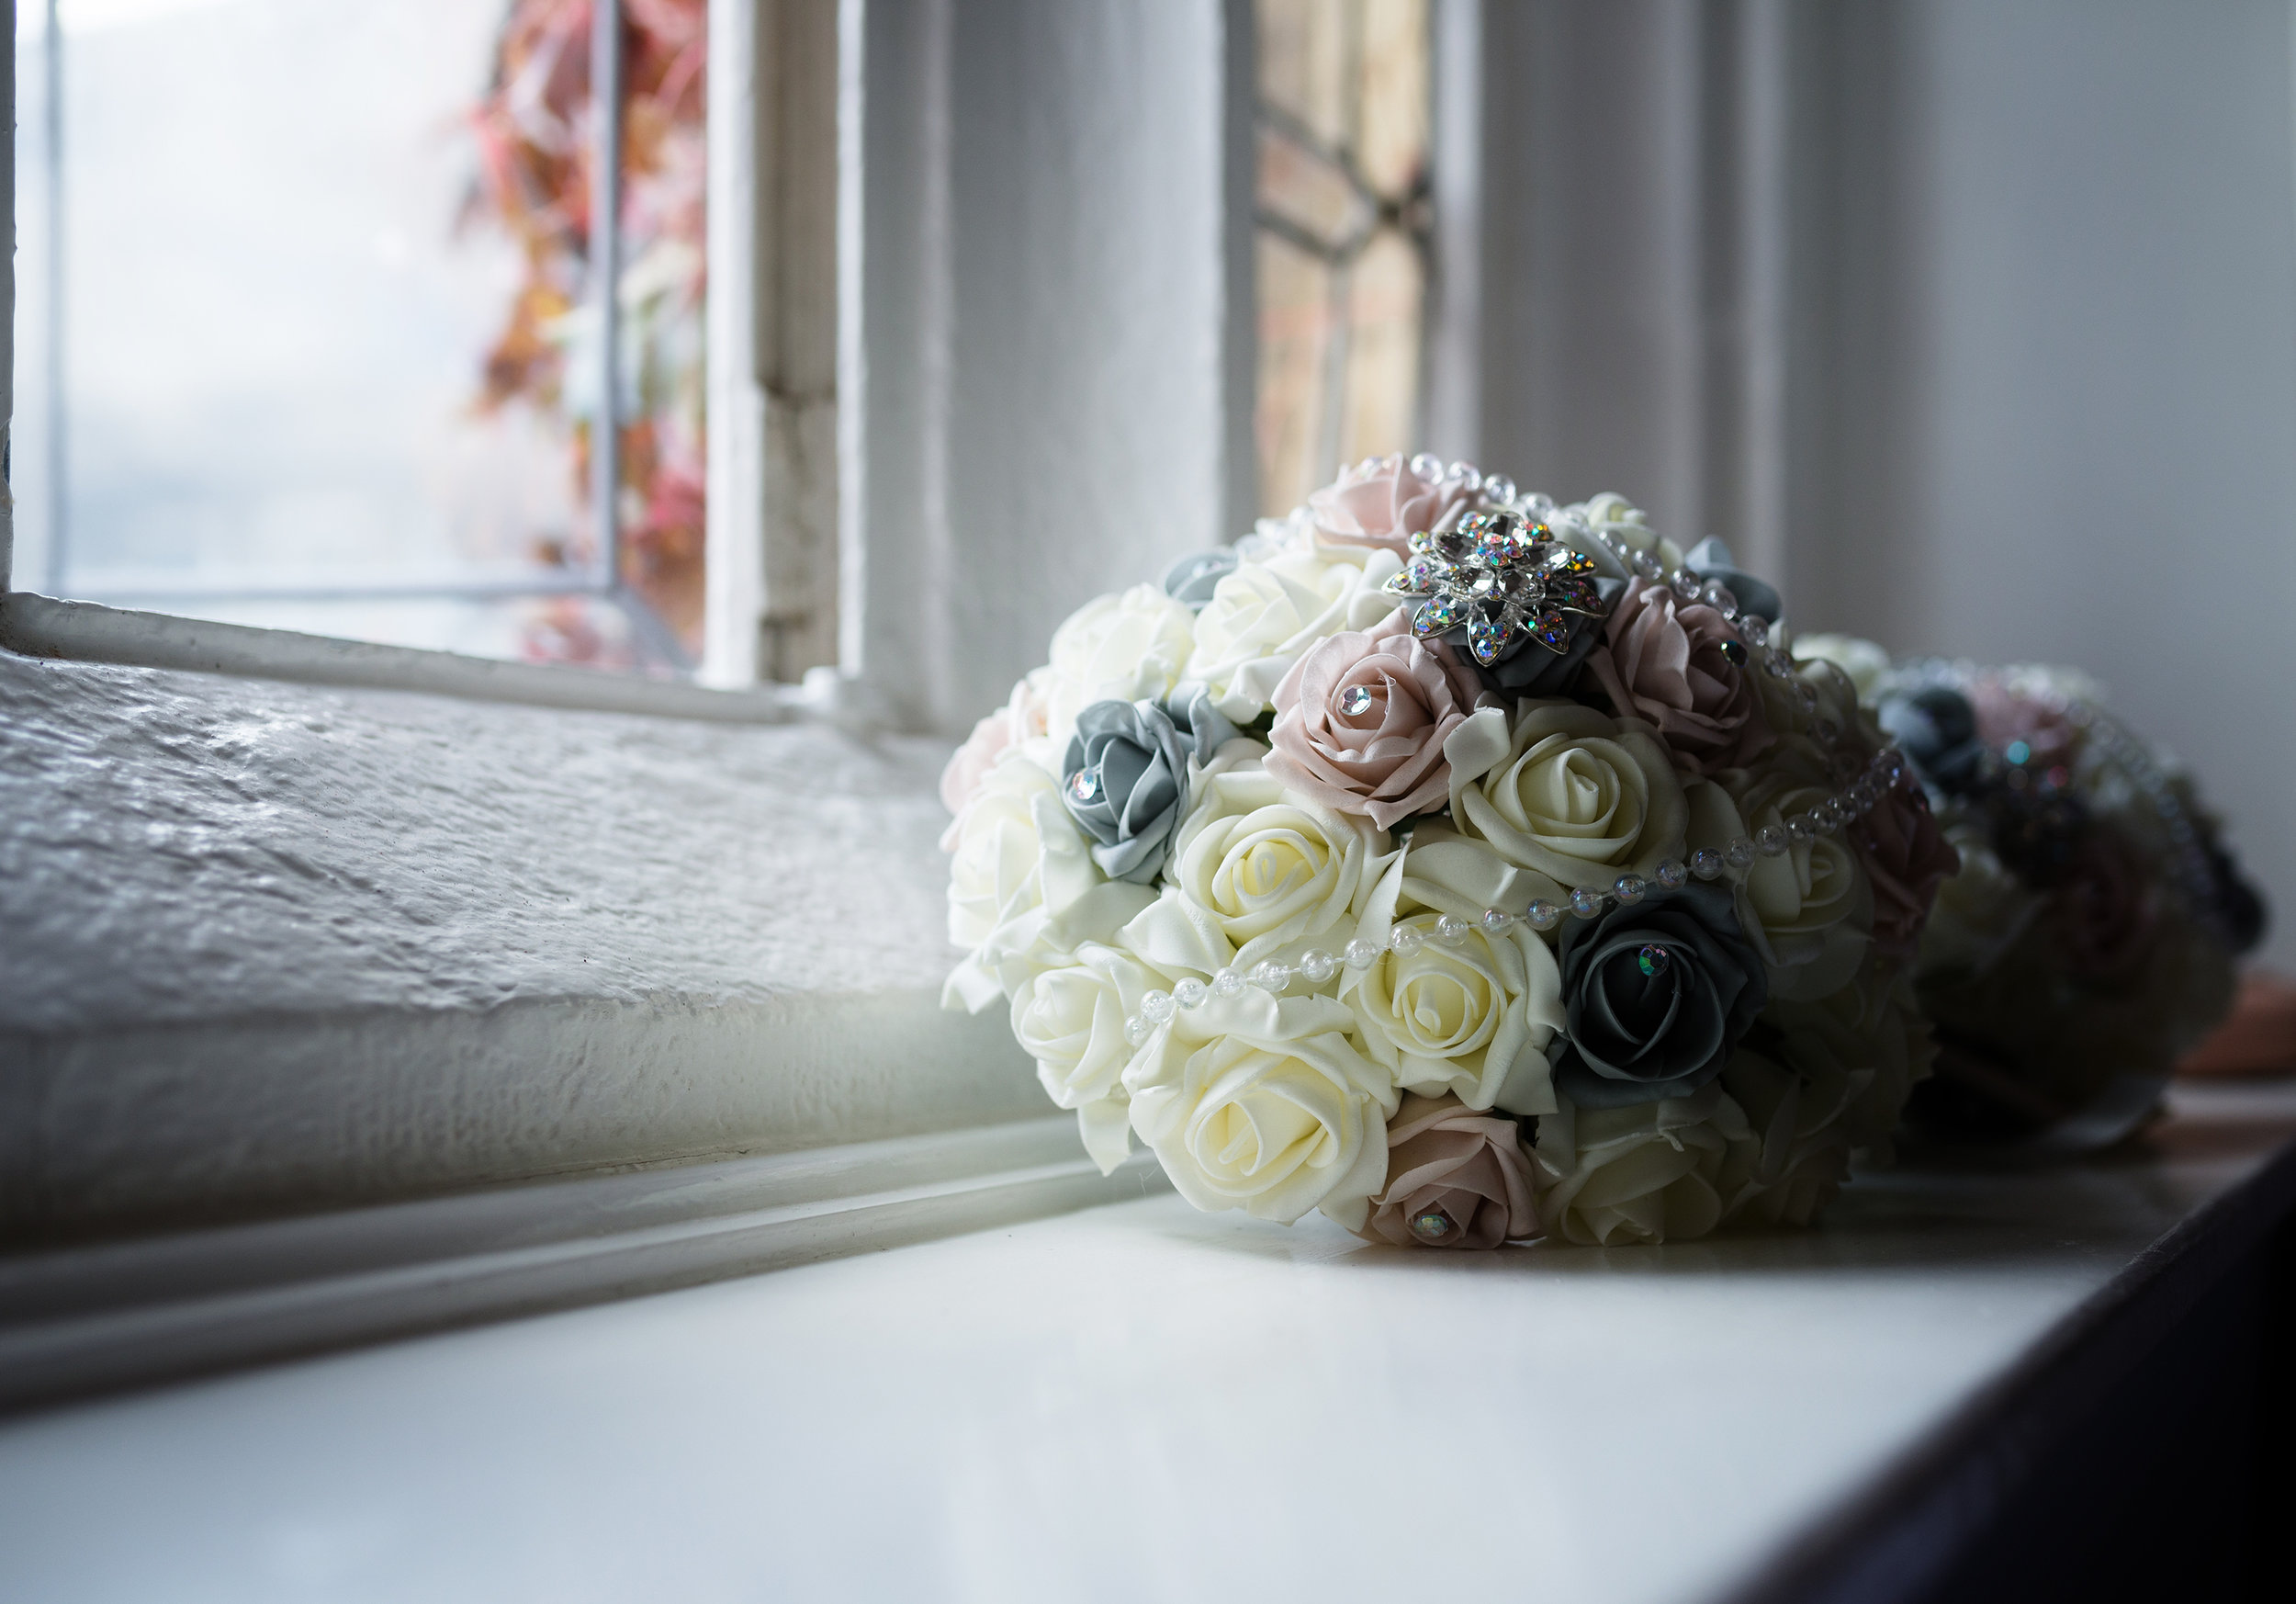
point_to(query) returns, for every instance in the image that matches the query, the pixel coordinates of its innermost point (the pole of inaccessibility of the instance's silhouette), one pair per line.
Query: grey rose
(1656, 996)
(1189, 582)
(1936, 728)
(1712, 559)
(1124, 780)
(1528, 669)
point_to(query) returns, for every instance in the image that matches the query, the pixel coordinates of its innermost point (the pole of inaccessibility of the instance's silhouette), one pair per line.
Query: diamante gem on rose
(1354, 700)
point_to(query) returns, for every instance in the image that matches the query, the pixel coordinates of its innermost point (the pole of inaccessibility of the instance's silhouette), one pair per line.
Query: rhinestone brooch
(1502, 577)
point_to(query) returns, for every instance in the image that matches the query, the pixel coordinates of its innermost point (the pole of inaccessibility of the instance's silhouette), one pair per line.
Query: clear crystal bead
(1190, 992)
(1840, 809)
(1137, 1030)
(1466, 473)
(1772, 841)
(1629, 888)
(1427, 466)
(1799, 828)
(1270, 976)
(1687, 583)
(1586, 902)
(1496, 922)
(1229, 982)
(1753, 629)
(1740, 853)
(1361, 954)
(1156, 1007)
(1706, 862)
(1647, 565)
(1500, 489)
(1539, 506)
(1405, 939)
(1318, 965)
(1542, 915)
(1451, 930)
(1671, 874)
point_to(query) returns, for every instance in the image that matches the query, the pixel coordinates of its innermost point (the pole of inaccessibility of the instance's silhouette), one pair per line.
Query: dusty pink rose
(1020, 719)
(1907, 858)
(2004, 716)
(1661, 661)
(1360, 721)
(1388, 506)
(1462, 1178)
(2104, 908)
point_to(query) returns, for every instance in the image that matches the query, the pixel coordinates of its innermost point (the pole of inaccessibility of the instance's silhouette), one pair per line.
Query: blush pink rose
(1020, 719)
(1387, 506)
(2104, 908)
(2004, 716)
(1907, 858)
(1360, 721)
(1470, 1169)
(1661, 661)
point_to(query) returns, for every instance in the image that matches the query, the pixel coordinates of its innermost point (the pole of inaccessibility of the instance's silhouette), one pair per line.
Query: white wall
(2070, 393)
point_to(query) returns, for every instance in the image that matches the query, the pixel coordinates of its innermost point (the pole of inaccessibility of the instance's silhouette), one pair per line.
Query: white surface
(1134, 1402)
(263, 945)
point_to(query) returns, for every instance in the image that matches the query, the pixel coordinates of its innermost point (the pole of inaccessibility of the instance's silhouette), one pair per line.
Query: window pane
(1344, 232)
(305, 345)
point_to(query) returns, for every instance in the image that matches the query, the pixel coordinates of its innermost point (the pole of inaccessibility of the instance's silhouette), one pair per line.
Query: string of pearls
(1858, 796)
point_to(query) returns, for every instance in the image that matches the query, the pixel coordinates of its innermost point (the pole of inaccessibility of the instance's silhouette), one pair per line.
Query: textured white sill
(1143, 1403)
(268, 946)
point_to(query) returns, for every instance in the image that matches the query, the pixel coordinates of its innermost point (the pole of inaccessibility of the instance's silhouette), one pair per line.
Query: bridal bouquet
(1465, 867)
(2089, 939)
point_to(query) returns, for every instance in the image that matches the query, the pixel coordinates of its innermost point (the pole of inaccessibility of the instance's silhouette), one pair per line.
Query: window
(1345, 230)
(330, 353)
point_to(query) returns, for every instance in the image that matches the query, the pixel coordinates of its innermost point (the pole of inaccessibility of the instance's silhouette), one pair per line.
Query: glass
(325, 357)
(1345, 229)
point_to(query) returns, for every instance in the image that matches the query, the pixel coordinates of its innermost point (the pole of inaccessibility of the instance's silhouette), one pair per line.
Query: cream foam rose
(1264, 1105)
(1023, 886)
(1022, 718)
(1264, 616)
(1123, 647)
(1470, 1013)
(1253, 870)
(1567, 792)
(1809, 909)
(1071, 1021)
(1649, 1172)
(1795, 1154)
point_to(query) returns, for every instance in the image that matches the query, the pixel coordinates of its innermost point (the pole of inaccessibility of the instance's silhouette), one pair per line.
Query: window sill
(1040, 1412)
(273, 948)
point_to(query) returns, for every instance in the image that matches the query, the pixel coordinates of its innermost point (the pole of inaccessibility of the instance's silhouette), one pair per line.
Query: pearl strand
(1888, 770)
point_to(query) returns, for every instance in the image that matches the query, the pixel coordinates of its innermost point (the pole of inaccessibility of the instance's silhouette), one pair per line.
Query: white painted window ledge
(270, 948)
(1967, 1384)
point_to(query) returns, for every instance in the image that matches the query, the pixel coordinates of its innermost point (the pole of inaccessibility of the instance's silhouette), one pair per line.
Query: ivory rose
(1663, 661)
(1461, 1178)
(1472, 1016)
(1022, 887)
(1264, 1105)
(1645, 1173)
(1071, 1021)
(1795, 1154)
(1381, 503)
(1123, 647)
(1264, 614)
(1256, 869)
(1809, 908)
(1360, 721)
(1574, 795)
